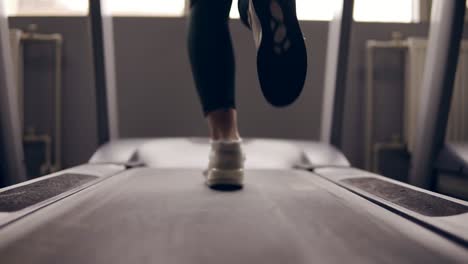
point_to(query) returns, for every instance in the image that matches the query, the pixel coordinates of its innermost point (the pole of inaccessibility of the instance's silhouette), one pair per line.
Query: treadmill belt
(167, 216)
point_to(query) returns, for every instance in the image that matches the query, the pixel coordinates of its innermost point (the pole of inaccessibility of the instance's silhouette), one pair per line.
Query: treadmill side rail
(117, 152)
(24, 198)
(443, 214)
(322, 155)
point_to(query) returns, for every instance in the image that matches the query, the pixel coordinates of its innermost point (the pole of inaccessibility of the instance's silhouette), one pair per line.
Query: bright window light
(315, 9)
(47, 7)
(147, 7)
(80, 7)
(305, 9)
(364, 10)
(400, 11)
(234, 11)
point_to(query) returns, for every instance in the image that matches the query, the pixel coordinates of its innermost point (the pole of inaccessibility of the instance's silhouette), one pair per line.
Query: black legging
(211, 53)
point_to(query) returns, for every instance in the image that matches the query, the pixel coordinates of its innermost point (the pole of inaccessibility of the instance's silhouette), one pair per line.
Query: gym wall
(157, 96)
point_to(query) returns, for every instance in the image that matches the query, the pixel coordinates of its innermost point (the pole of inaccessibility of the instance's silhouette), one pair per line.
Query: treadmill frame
(102, 34)
(446, 30)
(332, 174)
(11, 146)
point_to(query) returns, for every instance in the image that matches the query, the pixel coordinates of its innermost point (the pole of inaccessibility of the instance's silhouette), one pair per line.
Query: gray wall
(157, 96)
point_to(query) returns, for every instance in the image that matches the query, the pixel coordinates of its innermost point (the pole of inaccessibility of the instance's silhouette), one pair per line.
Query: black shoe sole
(281, 75)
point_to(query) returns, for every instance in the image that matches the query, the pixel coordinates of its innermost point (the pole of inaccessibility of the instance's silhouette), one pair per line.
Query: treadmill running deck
(148, 215)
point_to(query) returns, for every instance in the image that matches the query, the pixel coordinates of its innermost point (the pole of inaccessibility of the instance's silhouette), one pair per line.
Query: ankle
(225, 137)
(223, 125)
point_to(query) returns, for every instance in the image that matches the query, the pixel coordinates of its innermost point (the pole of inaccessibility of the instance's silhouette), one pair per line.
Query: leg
(223, 124)
(212, 60)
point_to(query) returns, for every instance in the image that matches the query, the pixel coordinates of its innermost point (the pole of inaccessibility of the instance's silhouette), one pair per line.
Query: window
(383, 11)
(47, 7)
(80, 7)
(305, 9)
(147, 7)
(364, 10)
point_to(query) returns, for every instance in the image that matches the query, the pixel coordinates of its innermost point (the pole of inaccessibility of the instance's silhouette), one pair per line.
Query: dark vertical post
(104, 71)
(12, 166)
(95, 18)
(336, 67)
(446, 28)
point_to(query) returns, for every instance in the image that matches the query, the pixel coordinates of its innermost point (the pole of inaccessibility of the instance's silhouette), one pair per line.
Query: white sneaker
(226, 164)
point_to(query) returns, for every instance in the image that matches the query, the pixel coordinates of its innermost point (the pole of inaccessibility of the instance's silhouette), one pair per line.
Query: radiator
(412, 68)
(457, 128)
(49, 141)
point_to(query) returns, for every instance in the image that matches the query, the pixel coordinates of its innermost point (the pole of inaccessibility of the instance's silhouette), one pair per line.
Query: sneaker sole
(217, 177)
(281, 67)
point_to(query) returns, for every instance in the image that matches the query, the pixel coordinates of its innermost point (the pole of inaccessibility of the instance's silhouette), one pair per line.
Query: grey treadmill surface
(148, 215)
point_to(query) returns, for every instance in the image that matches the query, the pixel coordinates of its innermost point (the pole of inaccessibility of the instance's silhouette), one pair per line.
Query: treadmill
(140, 201)
(436, 164)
